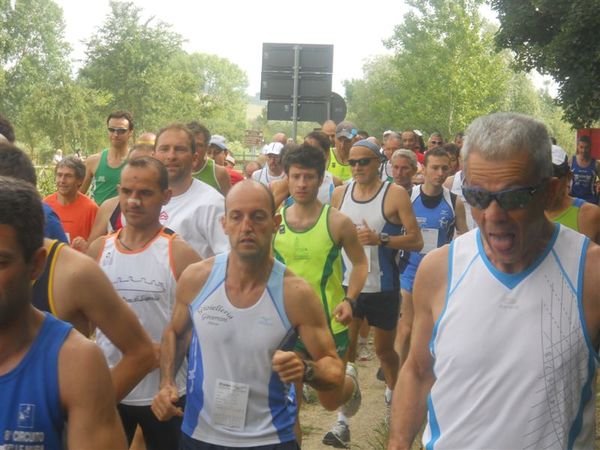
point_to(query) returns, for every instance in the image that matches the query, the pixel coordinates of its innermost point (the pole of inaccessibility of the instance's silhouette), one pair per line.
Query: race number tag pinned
(231, 403)
(430, 239)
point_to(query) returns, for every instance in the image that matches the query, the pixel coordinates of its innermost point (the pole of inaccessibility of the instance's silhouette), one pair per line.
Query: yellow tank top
(313, 255)
(342, 171)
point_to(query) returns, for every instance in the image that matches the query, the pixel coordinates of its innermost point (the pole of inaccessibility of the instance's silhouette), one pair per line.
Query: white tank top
(263, 176)
(235, 399)
(383, 275)
(513, 363)
(457, 189)
(144, 278)
(326, 189)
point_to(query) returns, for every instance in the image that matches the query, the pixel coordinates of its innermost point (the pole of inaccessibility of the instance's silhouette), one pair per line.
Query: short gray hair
(408, 154)
(72, 162)
(501, 136)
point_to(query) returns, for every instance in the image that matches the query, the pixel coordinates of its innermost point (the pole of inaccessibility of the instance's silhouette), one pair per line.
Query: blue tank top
(438, 220)
(31, 413)
(583, 182)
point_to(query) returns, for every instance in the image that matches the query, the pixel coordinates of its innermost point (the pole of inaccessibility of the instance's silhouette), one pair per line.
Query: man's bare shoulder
(93, 160)
(196, 275)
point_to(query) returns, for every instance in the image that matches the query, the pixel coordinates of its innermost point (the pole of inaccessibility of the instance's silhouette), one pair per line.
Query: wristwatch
(309, 372)
(384, 238)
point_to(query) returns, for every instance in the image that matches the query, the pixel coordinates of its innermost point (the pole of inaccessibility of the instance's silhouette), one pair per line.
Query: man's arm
(280, 191)
(591, 294)
(337, 196)
(223, 179)
(409, 402)
(100, 227)
(175, 338)
(589, 221)
(183, 256)
(91, 164)
(88, 397)
(461, 217)
(306, 314)
(84, 288)
(344, 232)
(398, 206)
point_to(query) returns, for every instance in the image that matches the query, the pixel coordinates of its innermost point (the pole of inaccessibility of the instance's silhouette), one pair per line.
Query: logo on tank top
(508, 303)
(101, 179)
(164, 216)
(281, 229)
(26, 415)
(214, 314)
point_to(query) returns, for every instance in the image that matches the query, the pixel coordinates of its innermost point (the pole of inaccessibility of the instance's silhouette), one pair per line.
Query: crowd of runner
(162, 298)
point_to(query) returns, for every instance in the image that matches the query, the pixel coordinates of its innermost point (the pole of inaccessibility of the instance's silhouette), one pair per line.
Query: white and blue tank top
(513, 362)
(234, 398)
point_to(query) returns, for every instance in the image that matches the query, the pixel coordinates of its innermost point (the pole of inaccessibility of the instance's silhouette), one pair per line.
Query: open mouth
(502, 241)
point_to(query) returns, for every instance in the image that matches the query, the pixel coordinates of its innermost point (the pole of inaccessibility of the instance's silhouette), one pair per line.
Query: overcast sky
(236, 30)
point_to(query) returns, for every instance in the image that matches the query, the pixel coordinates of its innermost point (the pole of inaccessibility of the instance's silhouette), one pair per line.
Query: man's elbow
(143, 356)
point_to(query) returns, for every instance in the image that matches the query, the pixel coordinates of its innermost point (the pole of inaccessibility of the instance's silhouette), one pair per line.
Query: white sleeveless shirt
(144, 278)
(383, 275)
(514, 366)
(235, 399)
(456, 188)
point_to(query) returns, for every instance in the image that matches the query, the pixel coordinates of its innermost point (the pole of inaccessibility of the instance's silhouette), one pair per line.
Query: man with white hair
(507, 317)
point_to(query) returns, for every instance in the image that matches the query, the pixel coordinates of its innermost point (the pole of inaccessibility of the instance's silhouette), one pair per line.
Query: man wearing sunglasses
(105, 167)
(435, 140)
(385, 222)
(569, 211)
(507, 318)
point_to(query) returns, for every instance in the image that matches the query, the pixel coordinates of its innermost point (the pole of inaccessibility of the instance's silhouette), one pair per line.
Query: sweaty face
(119, 138)
(390, 147)
(402, 171)
(249, 221)
(16, 276)
(583, 149)
(303, 183)
(436, 170)
(174, 151)
(368, 173)
(409, 140)
(274, 163)
(66, 183)
(201, 147)
(140, 196)
(511, 238)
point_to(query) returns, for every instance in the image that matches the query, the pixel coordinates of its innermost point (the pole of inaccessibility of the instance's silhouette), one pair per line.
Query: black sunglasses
(508, 199)
(361, 162)
(119, 131)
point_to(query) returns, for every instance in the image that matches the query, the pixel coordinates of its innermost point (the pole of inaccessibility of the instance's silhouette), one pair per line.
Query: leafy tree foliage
(559, 38)
(445, 71)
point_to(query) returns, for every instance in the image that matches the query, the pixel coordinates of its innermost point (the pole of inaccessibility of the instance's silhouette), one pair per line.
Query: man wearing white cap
(273, 170)
(570, 211)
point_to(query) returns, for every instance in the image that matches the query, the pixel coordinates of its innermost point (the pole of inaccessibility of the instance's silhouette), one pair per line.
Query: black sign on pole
(297, 76)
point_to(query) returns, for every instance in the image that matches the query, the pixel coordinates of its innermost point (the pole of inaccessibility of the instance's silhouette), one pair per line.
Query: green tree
(33, 55)
(558, 38)
(130, 60)
(445, 71)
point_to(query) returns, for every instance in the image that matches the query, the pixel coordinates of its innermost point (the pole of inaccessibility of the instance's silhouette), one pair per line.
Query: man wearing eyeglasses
(381, 211)
(507, 318)
(435, 140)
(104, 168)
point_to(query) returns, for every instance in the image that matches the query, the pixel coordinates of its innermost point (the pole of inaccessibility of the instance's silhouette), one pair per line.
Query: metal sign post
(295, 92)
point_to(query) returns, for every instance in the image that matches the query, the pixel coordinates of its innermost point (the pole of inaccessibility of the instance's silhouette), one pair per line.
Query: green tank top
(342, 171)
(207, 175)
(106, 179)
(570, 216)
(313, 255)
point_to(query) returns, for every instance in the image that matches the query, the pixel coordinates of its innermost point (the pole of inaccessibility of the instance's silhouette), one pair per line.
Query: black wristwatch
(309, 372)
(384, 238)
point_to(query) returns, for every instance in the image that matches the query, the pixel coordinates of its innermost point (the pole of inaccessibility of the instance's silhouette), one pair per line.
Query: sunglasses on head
(361, 162)
(514, 198)
(119, 131)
